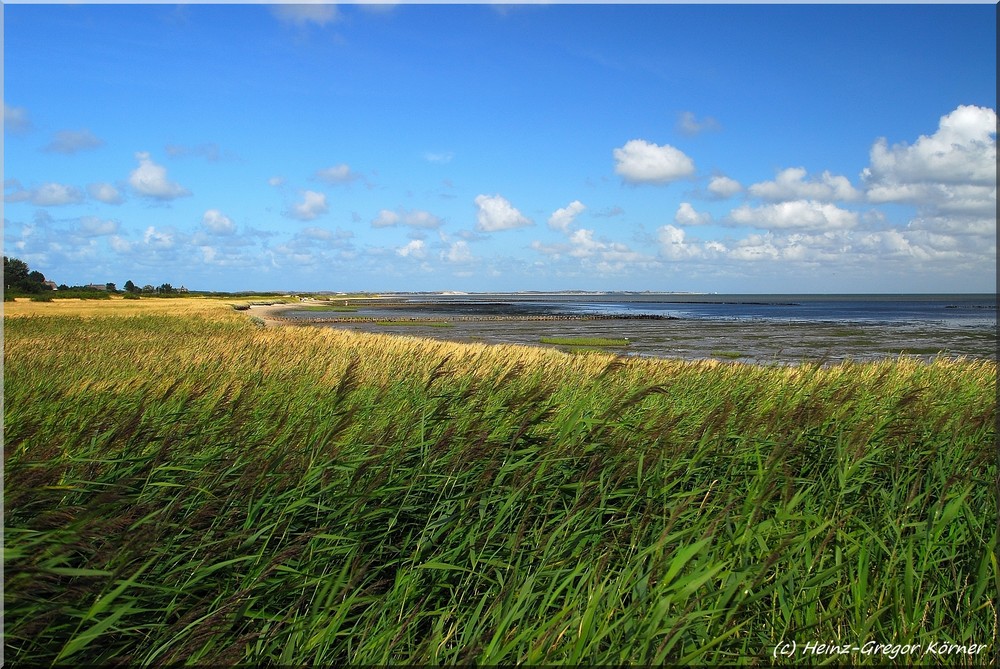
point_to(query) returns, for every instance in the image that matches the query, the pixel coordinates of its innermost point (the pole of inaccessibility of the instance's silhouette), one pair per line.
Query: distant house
(51, 285)
(97, 286)
(182, 289)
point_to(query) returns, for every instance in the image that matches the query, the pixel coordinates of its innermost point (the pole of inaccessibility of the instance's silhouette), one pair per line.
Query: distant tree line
(19, 279)
(162, 289)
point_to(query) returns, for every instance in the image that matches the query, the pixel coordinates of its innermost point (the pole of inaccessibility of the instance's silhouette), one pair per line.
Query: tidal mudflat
(755, 331)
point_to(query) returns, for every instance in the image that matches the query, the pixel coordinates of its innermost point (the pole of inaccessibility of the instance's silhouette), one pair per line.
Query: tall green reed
(200, 490)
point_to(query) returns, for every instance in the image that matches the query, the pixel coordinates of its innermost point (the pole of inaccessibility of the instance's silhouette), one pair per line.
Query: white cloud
(71, 141)
(583, 244)
(414, 249)
(985, 226)
(105, 192)
(303, 14)
(496, 213)
(120, 244)
(949, 176)
(414, 218)
(274, 182)
(722, 186)
(15, 120)
(561, 219)
(962, 151)
(158, 239)
(595, 255)
(801, 214)
(338, 174)
(458, 252)
(421, 219)
(217, 223)
(755, 248)
(687, 124)
(640, 161)
(92, 226)
(790, 185)
(686, 215)
(673, 244)
(313, 205)
(46, 195)
(150, 180)
(385, 219)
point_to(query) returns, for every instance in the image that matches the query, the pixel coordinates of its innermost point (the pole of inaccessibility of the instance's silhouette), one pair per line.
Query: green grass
(192, 488)
(584, 341)
(732, 355)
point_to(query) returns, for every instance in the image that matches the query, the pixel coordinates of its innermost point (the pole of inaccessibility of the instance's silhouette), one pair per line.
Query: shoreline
(669, 338)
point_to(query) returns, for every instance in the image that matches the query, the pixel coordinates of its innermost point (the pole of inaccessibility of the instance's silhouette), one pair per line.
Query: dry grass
(118, 307)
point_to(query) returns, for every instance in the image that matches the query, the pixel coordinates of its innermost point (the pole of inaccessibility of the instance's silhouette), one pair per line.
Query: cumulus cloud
(385, 219)
(962, 151)
(755, 248)
(495, 213)
(217, 223)
(721, 186)
(561, 219)
(158, 239)
(640, 162)
(949, 176)
(303, 14)
(312, 206)
(46, 195)
(688, 124)
(150, 180)
(16, 120)
(600, 256)
(675, 246)
(790, 184)
(92, 226)
(413, 249)
(414, 218)
(686, 215)
(458, 252)
(583, 244)
(71, 141)
(337, 174)
(801, 214)
(105, 192)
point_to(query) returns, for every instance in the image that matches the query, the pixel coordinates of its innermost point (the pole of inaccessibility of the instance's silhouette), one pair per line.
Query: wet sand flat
(656, 335)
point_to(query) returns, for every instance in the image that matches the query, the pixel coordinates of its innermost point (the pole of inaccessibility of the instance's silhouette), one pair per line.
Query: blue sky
(746, 148)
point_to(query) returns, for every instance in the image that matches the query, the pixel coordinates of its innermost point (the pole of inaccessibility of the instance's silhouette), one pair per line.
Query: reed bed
(192, 488)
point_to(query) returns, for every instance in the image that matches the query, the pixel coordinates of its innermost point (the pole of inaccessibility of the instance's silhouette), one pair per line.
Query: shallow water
(756, 329)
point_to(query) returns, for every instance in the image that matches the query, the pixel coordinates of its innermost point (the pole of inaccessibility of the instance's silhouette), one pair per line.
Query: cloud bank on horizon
(319, 147)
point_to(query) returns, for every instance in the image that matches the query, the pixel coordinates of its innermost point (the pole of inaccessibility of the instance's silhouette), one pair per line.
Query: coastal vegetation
(584, 341)
(184, 486)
